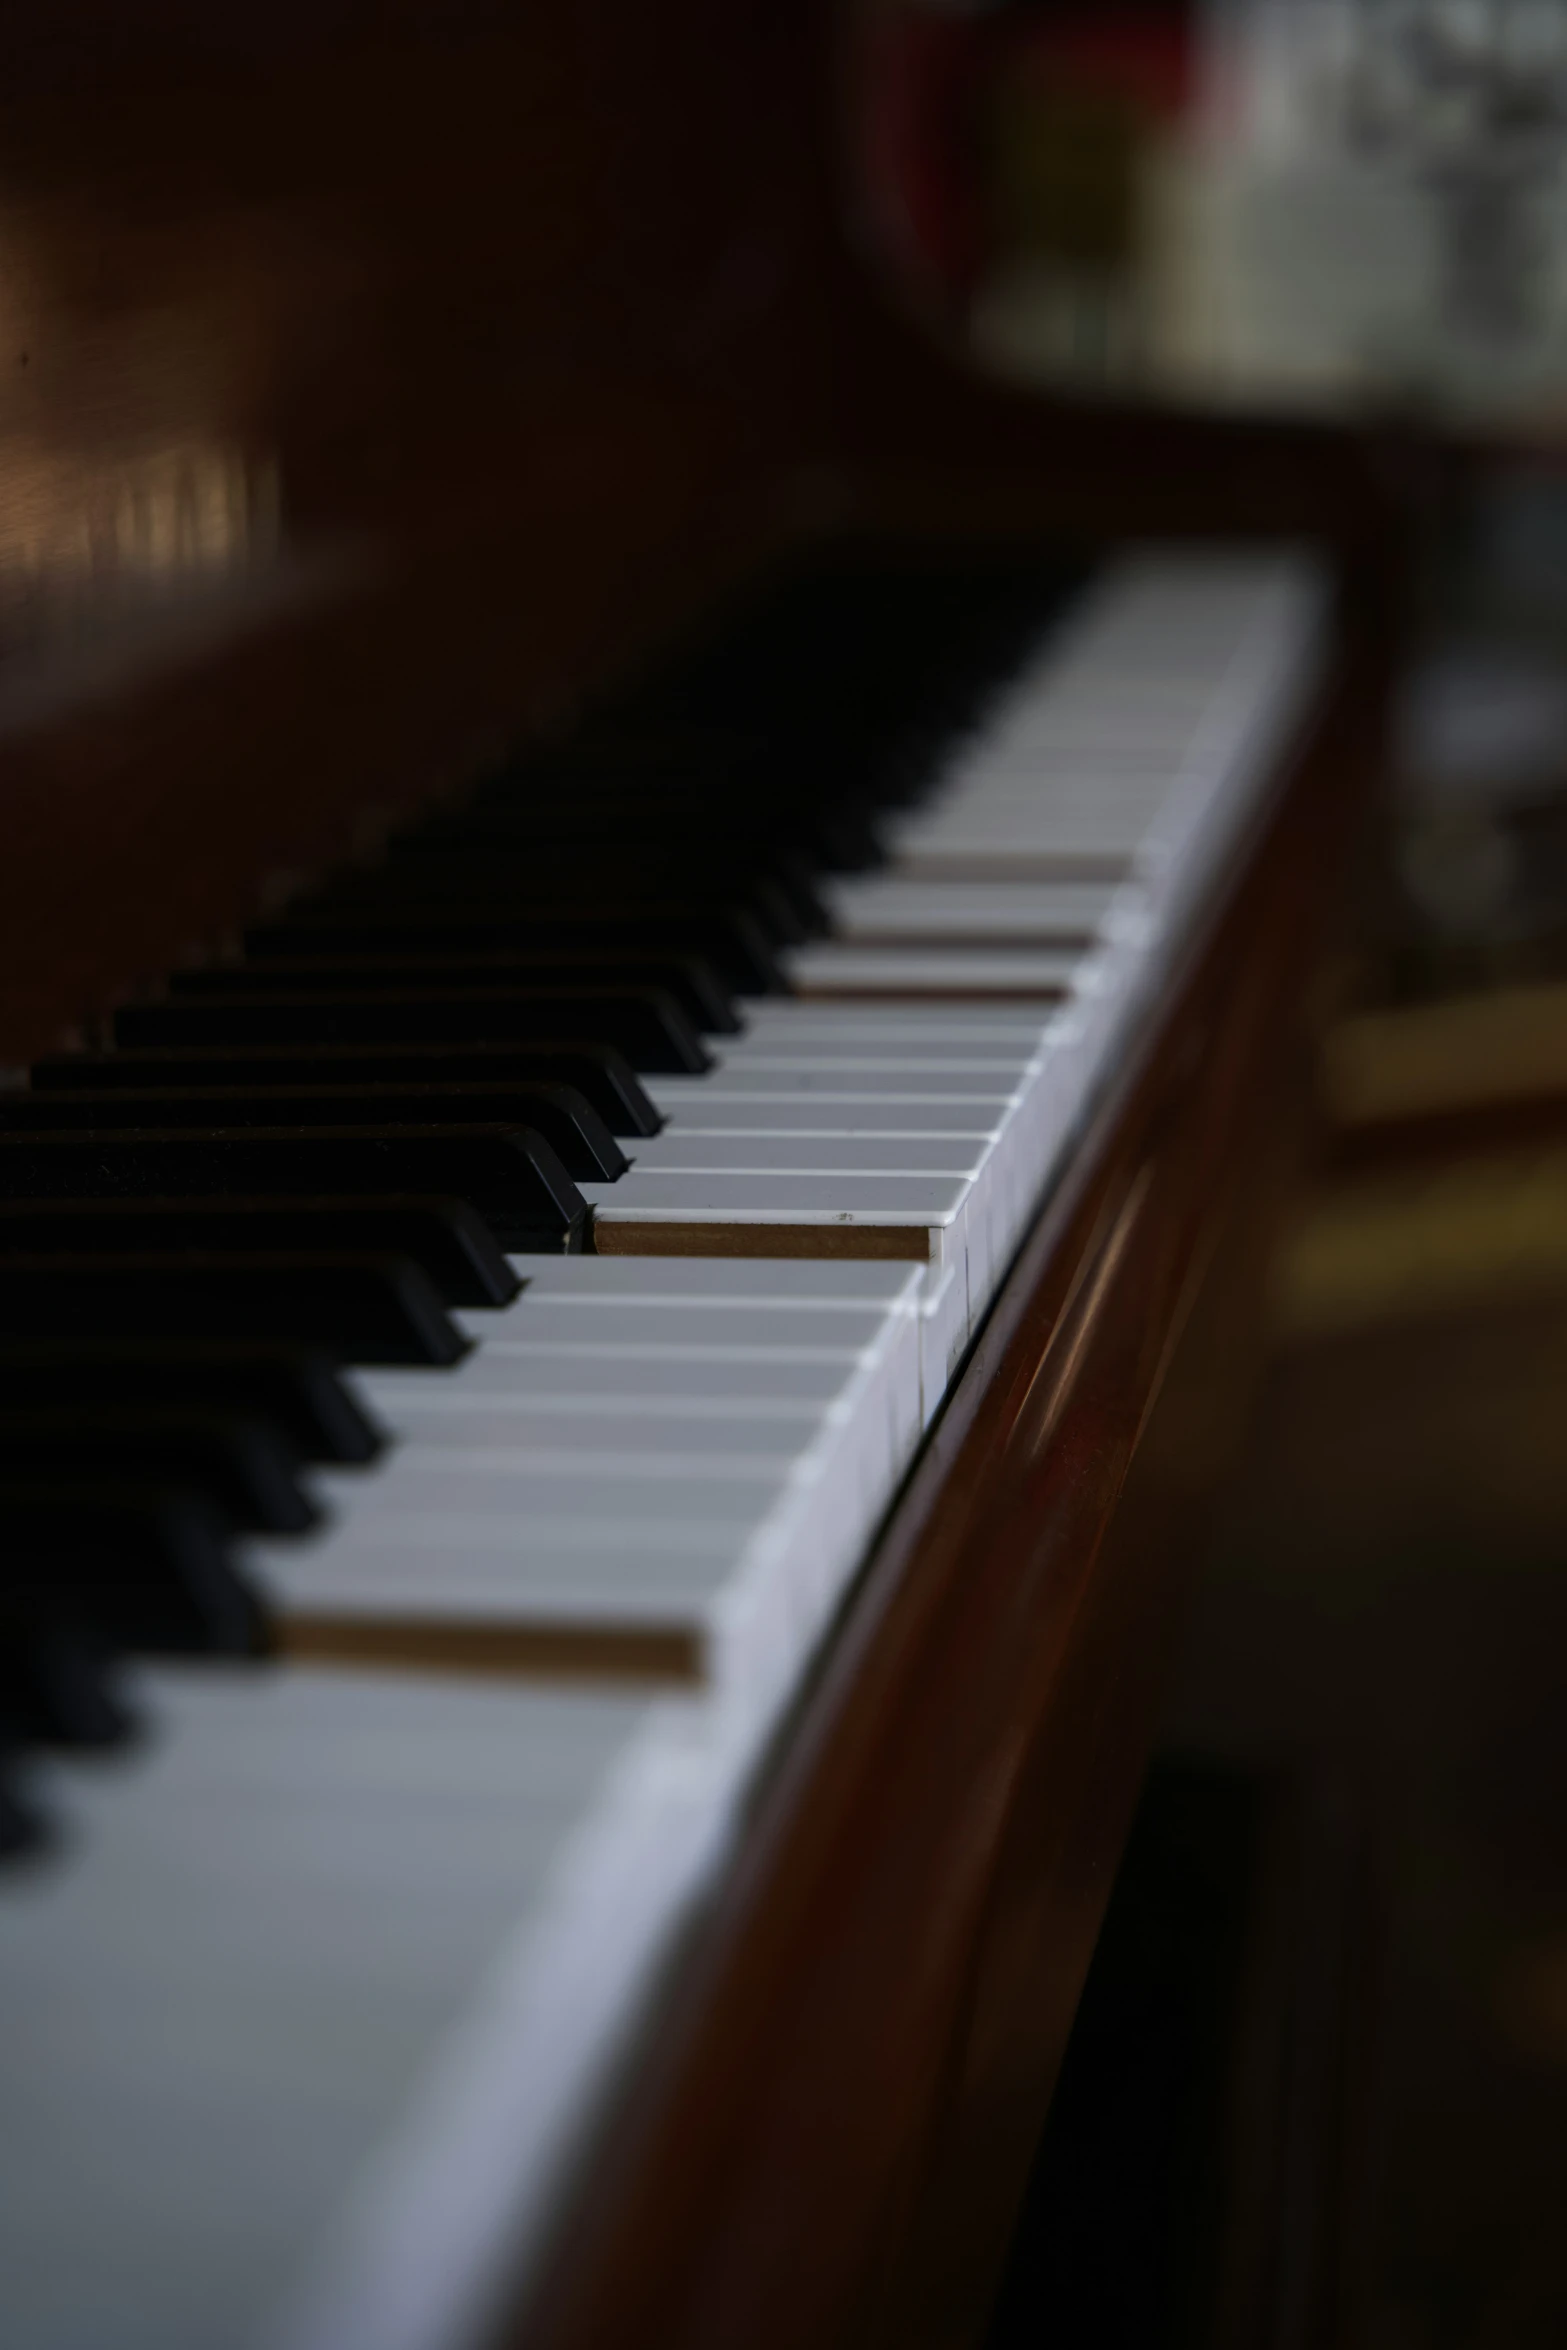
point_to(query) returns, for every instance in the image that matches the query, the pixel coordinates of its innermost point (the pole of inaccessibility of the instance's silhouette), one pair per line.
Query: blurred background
(1345, 1904)
(1246, 203)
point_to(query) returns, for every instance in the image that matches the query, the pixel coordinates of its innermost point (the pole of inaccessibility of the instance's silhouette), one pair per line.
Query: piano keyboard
(455, 1355)
(645, 1471)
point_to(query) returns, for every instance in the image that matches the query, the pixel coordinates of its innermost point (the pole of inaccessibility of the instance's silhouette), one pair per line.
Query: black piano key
(142, 1566)
(688, 979)
(778, 806)
(619, 807)
(658, 855)
(57, 1688)
(363, 1309)
(22, 1831)
(296, 1388)
(572, 1128)
(585, 873)
(643, 1023)
(451, 1245)
(653, 859)
(740, 941)
(507, 1175)
(603, 1077)
(666, 861)
(245, 1467)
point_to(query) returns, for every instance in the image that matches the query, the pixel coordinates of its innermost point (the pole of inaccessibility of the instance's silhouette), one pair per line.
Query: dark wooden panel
(517, 334)
(500, 317)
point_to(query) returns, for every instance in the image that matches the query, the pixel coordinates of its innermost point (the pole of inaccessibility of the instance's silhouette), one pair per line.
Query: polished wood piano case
(515, 337)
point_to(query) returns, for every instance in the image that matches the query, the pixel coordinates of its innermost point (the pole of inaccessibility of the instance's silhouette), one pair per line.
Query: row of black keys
(306, 1156)
(183, 1269)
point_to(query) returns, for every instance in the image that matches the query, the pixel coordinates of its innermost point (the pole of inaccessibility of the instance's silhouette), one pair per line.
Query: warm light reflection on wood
(78, 534)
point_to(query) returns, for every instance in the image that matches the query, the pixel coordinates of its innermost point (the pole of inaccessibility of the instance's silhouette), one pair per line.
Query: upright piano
(656, 971)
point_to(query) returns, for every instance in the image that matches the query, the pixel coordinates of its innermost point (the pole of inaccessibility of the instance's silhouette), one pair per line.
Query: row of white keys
(1125, 746)
(303, 2012)
(616, 1363)
(664, 1467)
(1133, 743)
(849, 1128)
(1117, 748)
(403, 1924)
(1135, 740)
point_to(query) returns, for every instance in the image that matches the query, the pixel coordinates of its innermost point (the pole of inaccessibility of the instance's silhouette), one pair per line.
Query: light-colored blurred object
(1483, 723)
(1509, 1044)
(1479, 833)
(1463, 1234)
(1299, 206)
(82, 538)
(1383, 187)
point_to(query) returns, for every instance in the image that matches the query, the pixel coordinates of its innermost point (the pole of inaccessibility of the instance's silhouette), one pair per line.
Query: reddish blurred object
(949, 95)
(1143, 54)
(923, 75)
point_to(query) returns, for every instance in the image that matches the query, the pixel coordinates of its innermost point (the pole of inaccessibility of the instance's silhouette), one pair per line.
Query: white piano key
(736, 1113)
(1059, 834)
(702, 1318)
(898, 1080)
(1007, 1180)
(582, 1426)
(929, 1057)
(616, 1458)
(623, 1374)
(582, 1419)
(905, 1204)
(772, 1014)
(784, 1023)
(671, 1325)
(587, 1556)
(540, 1482)
(983, 1165)
(1091, 720)
(731, 1573)
(1020, 777)
(611, 1598)
(586, 1282)
(954, 972)
(886, 908)
(681, 1152)
(243, 1980)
